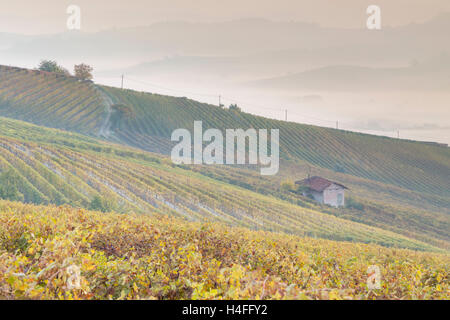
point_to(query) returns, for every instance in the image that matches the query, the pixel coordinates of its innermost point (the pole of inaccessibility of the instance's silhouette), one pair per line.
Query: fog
(317, 60)
(48, 16)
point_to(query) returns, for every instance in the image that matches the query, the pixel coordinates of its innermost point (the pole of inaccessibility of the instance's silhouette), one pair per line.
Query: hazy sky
(49, 16)
(427, 111)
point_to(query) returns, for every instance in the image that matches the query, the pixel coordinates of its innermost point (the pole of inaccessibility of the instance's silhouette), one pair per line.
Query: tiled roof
(318, 183)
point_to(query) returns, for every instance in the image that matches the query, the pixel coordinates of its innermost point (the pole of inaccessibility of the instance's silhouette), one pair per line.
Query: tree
(83, 71)
(52, 66)
(120, 112)
(235, 107)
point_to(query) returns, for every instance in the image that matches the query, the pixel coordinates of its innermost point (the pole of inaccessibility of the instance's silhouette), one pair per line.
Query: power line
(348, 125)
(241, 102)
(170, 89)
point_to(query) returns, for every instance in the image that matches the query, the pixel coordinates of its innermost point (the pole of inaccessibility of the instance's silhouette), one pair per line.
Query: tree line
(81, 71)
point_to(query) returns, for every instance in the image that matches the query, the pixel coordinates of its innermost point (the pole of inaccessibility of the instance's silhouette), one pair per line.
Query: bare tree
(83, 71)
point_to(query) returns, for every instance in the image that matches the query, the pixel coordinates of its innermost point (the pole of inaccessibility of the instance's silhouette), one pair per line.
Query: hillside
(256, 41)
(398, 186)
(112, 256)
(59, 102)
(48, 166)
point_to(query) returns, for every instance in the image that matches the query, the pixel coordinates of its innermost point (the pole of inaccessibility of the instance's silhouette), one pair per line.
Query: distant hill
(269, 43)
(433, 74)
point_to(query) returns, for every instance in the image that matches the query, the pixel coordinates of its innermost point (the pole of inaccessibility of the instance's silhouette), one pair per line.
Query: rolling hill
(433, 74)
(64, 103)
(302, 45)
(50, 166)
(101, 161)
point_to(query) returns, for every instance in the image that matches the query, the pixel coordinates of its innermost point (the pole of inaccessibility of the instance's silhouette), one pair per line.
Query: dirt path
(105, 131)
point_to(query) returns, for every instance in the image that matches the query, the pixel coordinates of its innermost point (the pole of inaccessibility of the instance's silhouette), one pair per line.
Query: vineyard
(50, 99)
(49, 252)
(403, 184)
(410, 165)
(89, 192)
(50, 166)
(147, 120)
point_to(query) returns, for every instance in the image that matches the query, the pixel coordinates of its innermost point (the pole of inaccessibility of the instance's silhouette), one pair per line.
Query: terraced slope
(410, 165)
(147, 120)
(410, 213)
(52, 166)
(51, 100)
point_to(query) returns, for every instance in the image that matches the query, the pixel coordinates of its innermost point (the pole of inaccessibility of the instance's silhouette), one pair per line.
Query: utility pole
(285, 115)
(337, 125)
(220, 101)
(122, 81)
(398, 134)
